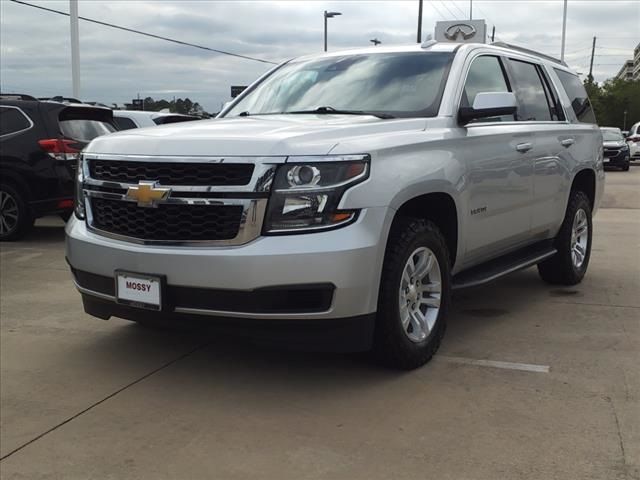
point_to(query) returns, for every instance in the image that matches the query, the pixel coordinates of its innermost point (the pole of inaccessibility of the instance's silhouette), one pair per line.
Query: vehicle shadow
(221, 356)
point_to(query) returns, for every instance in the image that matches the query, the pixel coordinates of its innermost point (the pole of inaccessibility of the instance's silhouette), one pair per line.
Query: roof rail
(16, 96)
(61, 99)
(529, 51)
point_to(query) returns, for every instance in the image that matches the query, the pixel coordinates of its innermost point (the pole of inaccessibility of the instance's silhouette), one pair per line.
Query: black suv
(39, 146)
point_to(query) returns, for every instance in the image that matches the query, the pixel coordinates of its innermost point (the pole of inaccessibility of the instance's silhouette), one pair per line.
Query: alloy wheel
(8, 213)
(579, 238)
(420, 294)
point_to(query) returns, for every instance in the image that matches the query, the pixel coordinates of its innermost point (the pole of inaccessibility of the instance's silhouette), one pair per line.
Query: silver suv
(343, 197)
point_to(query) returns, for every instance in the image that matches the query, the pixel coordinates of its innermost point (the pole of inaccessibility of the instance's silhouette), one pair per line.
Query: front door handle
(567, 142)
(524, 147)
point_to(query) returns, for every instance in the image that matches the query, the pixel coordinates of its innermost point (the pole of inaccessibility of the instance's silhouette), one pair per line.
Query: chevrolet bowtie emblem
(147, 194)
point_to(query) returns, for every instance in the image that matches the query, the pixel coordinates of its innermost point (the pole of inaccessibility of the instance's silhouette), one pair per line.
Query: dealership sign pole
(75, 47)
(564, 30)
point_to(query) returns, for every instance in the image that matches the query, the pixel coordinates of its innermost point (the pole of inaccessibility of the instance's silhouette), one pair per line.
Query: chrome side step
(499, 267)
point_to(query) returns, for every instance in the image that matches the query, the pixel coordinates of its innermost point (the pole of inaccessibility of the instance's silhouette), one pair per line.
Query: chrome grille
(202, 213)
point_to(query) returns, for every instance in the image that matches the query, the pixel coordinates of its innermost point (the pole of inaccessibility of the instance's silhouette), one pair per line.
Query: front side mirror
(489, 104)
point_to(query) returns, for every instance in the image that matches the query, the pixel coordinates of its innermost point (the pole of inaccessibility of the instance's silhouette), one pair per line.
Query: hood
(615, 144)
(268, 135)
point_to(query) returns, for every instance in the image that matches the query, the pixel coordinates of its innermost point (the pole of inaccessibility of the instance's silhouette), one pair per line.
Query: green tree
(614, 97)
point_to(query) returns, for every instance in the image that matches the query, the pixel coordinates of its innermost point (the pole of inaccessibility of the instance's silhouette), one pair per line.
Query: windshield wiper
(331, 110)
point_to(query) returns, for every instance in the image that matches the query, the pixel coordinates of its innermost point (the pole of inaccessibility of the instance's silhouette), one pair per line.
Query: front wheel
(414, 295)
(573, 242)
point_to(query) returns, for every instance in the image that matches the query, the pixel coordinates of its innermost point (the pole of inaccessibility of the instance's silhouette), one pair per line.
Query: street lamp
(328, 15)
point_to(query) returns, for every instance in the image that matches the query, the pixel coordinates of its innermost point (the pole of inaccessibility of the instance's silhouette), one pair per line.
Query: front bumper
(347, 261)
(616, 158)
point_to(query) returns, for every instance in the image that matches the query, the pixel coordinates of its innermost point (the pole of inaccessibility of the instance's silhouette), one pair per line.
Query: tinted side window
(578, 96)
(12, 120)
(485, 75)
(534, 105)
(124, 123)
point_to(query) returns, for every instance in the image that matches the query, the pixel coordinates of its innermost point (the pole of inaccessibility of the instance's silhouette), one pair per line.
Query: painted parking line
(525, 367)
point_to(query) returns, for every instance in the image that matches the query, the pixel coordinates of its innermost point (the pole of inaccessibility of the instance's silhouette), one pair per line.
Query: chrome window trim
(504, 58)
(17, 132)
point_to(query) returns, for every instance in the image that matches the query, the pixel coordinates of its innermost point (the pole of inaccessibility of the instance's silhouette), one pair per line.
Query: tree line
(612, 98)
(186, 106)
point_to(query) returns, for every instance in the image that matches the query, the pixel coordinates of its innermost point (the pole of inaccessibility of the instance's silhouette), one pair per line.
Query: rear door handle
(524, 147)
(567, 142)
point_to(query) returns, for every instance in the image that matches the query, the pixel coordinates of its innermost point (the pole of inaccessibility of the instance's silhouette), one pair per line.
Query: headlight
(79, 193)
(306, 193)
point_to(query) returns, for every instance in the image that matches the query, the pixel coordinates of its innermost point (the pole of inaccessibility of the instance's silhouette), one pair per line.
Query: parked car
(616, 150)
(128, 119)
(633, 140)
(39, 146)
(349, 204)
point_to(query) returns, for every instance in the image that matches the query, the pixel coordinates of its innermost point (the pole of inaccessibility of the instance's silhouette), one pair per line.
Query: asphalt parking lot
(531, 381)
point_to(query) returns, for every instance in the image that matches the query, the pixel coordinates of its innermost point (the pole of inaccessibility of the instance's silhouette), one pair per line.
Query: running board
(501, 266)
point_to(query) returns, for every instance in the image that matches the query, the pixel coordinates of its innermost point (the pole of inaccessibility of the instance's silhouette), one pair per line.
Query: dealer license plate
(139, 290)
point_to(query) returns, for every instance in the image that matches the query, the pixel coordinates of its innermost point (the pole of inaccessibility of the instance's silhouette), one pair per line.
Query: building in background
(631, 68)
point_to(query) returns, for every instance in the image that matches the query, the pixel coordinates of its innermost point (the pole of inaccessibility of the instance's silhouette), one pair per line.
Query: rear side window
(534, 104)
(124, 123)
(12, 120)
(578, 96)
(485, 75)
(84, 130)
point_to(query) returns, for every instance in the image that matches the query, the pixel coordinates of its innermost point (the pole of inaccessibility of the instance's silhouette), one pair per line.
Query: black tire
(65, 216)
(392, 345)
(625, 168)
(13, 203)
(560, 269)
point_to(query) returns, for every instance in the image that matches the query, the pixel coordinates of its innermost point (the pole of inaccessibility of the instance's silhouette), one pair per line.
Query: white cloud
(116, 65)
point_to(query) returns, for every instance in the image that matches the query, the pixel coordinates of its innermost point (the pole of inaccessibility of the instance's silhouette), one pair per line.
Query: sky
(116, 66)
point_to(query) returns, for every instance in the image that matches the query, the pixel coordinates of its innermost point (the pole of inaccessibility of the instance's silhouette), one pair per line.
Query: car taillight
(634, 138)
(59, 148)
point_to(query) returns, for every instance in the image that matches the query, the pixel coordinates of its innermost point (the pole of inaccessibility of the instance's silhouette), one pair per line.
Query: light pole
(328, 15)
(564, 30)
(75, 48)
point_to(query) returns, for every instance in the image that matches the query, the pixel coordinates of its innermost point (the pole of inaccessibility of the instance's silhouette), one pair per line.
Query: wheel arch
(438, 207)
(16, 180)
(585, 181)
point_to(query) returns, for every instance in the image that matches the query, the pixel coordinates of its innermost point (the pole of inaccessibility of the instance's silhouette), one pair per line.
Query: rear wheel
(15, 218)
(414, 295)
(569, 265)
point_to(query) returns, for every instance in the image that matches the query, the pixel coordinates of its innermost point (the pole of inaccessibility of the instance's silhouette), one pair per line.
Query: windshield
(611, 136)
(400, 84)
